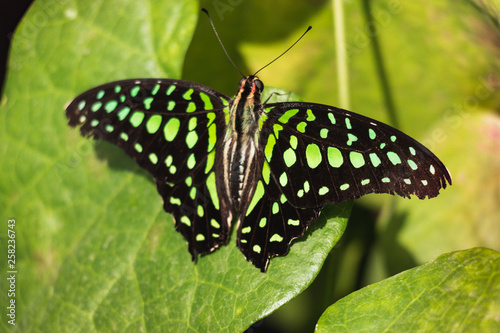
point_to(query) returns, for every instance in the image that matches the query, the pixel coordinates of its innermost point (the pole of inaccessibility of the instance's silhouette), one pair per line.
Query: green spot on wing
(266, 172)
(187, 94)
(293, 141)
(193, 122)
(200, 211)
(283, 179)
(301, 127)
(276, 238)
(335, 158)
(191, 107)
(81, 105)
(110, 106)
(154, 123)
(155, 89)
(175, 201)
(393, 157)
(123, 113)
(348, 123)
(153, 158)
(136, 118)
(289, 157)
(432, 169)
(351, 138)
(214, 224)
(191, 161)
(210, 161)
(323, 190)
(310, 115)
(313, 155)
(171, 129)
(357, 159)
(268, 150)
(134, 91)
(170, 90)
(259, 193)
(332, 118)
(124, 136)
(372, 134)
(287, 115)
(307, 187)
(96, 106)
(212, 137)
(191, 139)
(192, 193)
(206, 101)
(277, 128)
(185, 220)
(147, 102)
(412, 165)
(168, 160)
(170, 105)
(375, 159)
(212, 189)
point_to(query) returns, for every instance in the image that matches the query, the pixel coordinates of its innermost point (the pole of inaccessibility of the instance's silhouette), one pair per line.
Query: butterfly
(268, 167)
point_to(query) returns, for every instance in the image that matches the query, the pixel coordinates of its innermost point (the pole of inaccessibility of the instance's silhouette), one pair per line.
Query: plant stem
(379, 63)
(342, 70)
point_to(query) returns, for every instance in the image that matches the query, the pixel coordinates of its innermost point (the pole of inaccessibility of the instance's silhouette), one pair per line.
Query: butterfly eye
(259, 85)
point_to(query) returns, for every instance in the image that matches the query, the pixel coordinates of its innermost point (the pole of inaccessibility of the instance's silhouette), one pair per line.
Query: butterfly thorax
(240, 143)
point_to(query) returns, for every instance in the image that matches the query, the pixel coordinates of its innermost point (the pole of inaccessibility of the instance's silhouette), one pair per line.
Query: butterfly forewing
(170, 127)
(324, 155)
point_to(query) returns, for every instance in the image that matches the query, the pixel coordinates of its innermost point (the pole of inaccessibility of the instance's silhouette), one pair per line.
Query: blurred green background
(441, 60)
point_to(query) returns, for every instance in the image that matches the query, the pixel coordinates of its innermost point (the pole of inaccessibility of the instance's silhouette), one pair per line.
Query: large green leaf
(458, 292)
(95, 250)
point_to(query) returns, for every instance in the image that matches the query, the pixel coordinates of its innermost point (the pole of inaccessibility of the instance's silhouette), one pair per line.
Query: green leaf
(95, 251)
(458, 292)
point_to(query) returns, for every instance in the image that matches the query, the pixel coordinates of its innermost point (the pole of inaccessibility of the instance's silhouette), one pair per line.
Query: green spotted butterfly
(268, 167)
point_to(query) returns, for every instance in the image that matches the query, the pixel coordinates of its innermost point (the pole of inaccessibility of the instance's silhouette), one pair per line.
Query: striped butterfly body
(269, 168)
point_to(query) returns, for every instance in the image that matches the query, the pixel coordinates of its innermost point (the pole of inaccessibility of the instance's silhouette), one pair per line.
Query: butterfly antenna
(217, 35)
(309, 28)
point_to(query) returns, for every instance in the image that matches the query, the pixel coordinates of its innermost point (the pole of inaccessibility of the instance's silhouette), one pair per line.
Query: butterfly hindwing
(170, 127)
(271, 223)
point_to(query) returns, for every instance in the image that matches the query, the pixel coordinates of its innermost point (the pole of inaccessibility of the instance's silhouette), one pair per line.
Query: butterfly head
(251, 83)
